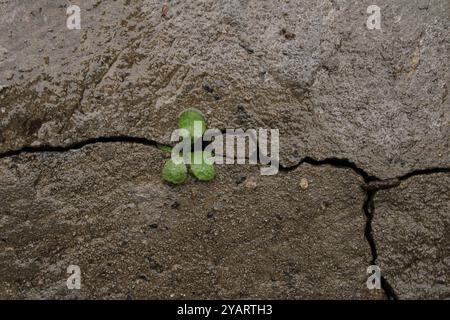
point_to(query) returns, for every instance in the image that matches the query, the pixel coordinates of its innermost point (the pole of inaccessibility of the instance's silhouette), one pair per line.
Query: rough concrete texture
(240, 236)
(354, 104)
(411, 227)
(309, 68)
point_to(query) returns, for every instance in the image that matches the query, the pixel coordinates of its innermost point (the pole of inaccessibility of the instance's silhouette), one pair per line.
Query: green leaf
(193, 121)
(202, 171)
(174, 173)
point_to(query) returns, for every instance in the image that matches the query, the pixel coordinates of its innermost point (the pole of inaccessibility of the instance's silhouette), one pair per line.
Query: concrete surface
(412, 231)
(353, 106)
(240, 236)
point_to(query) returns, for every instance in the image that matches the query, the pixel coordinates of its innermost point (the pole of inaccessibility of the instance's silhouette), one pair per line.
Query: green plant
(174, 173)
(203, 171)
(193, 121)
(188, 120)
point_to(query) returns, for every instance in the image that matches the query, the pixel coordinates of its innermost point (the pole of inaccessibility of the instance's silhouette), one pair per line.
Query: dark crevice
(388, 290)
(334, 162)
(371, 186)
(79, 145)
(424, 172)
(371, 189)
(369, 210)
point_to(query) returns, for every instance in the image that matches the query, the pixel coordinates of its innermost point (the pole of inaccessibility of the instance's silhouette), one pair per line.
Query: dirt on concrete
(364, 121)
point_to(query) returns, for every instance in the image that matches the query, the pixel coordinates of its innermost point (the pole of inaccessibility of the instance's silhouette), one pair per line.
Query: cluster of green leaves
(203, 171)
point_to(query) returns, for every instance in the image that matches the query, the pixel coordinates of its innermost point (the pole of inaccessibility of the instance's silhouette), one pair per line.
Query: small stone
(250, 183)
(414, 62)
(242, 113)
(304, 183)
(288, 35)
(241, 179)
(164, 11)
(143, 276)
(9, 75)
(207, 88)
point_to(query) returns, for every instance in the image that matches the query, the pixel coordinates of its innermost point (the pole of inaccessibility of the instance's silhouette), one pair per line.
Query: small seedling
(177, 173)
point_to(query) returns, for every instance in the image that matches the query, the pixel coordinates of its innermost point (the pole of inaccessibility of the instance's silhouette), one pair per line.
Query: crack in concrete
(371, 186)
(79, 145)
(369, 211)
(334, 162)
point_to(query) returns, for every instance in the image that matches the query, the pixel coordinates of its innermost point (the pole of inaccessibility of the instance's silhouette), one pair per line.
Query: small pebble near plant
(177, 173)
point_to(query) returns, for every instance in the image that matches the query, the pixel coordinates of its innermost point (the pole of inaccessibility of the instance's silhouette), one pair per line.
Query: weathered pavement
(242, 235)
(353, 106)
(412, 229)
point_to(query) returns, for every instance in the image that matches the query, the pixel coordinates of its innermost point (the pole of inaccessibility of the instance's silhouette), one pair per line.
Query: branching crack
(371, 186)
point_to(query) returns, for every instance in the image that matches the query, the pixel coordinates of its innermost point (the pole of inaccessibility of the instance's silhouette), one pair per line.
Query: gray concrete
(336, 89)
(240, 236)
(412, 231)
(376, 99)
